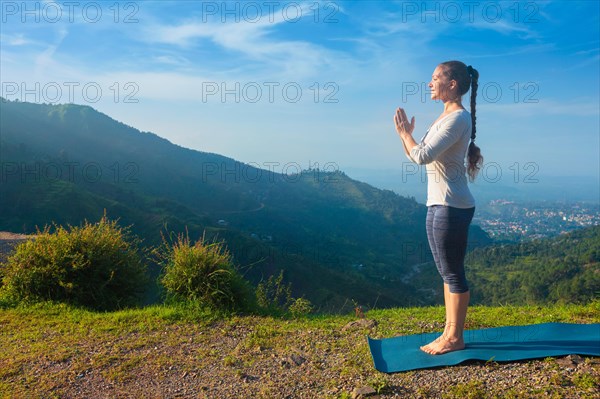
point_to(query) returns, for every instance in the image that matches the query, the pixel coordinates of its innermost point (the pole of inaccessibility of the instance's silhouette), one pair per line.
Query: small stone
(363, 392)
(248, 378)
(362, 323)
(570, 360)
(297, 359)
(576, 359)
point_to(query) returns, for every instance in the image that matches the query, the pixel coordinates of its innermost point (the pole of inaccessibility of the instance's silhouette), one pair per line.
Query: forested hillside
(561, 269)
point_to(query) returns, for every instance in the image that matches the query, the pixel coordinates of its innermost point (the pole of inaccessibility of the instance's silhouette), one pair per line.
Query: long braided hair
(467, 77)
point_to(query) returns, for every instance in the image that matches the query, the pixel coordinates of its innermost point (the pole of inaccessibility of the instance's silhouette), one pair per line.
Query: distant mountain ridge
(338, 240)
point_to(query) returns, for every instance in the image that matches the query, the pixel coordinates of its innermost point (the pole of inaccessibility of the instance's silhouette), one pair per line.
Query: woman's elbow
(421, 159)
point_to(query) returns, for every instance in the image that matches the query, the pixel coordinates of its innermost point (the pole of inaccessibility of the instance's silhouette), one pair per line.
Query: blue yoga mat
(501, 344)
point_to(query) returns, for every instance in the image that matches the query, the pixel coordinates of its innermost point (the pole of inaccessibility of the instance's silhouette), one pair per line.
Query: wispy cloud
(256, 41)
(517, 50)
(507, 28)
(45, 59)
(593, 52)
(586, 58)
(17, 39)
(573, 107)
(171, 60)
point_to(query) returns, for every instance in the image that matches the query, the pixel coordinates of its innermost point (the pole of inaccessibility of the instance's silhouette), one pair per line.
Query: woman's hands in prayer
(403, 127)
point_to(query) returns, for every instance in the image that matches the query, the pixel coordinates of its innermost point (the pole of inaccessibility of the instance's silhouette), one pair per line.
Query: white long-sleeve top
(443, 150)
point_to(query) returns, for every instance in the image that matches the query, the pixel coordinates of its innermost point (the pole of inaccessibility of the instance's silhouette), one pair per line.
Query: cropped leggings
(447, 233)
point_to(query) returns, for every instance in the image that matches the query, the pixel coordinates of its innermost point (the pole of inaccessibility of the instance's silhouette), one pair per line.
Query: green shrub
(300, 307)
(273, 295)
(94, 265)
(203, 272)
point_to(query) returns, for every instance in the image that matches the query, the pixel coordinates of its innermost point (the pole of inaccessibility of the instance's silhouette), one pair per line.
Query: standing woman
(450, 205)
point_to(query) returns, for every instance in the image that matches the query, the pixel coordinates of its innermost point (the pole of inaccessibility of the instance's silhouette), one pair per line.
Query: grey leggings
(447, 232)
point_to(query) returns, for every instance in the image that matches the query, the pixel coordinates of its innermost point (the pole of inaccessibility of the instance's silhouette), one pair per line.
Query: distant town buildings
(503, 219)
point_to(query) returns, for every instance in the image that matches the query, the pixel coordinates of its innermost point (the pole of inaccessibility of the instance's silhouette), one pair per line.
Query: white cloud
(174, 60)
(517, 50)
(507, 28)
(572, 107)
(18, 39)
(255, 41)
(45, 59)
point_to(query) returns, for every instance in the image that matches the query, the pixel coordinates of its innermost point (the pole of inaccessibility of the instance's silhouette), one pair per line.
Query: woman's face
(441, 88)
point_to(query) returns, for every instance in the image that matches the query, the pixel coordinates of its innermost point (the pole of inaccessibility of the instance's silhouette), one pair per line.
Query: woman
(450, 205)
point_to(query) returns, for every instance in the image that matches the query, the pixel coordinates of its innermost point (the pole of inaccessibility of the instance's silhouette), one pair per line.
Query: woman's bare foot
(444, 344)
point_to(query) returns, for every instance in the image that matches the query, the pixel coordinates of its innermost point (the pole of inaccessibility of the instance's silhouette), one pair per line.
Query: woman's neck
(450, 106)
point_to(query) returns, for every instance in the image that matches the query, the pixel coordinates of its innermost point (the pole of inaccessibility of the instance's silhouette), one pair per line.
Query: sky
(293, 85)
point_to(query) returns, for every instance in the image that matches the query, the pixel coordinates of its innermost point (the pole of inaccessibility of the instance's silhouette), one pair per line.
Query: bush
(203, 272)
(95, 265)
(301, 307)
(275, 297)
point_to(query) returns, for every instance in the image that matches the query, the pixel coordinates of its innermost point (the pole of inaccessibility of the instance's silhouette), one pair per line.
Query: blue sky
(278, 83)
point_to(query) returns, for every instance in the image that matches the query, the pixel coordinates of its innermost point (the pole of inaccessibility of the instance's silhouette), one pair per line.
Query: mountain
(337, 239)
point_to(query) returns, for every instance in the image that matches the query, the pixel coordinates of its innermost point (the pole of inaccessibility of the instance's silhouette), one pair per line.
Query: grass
(46, 347)
(470, 390)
